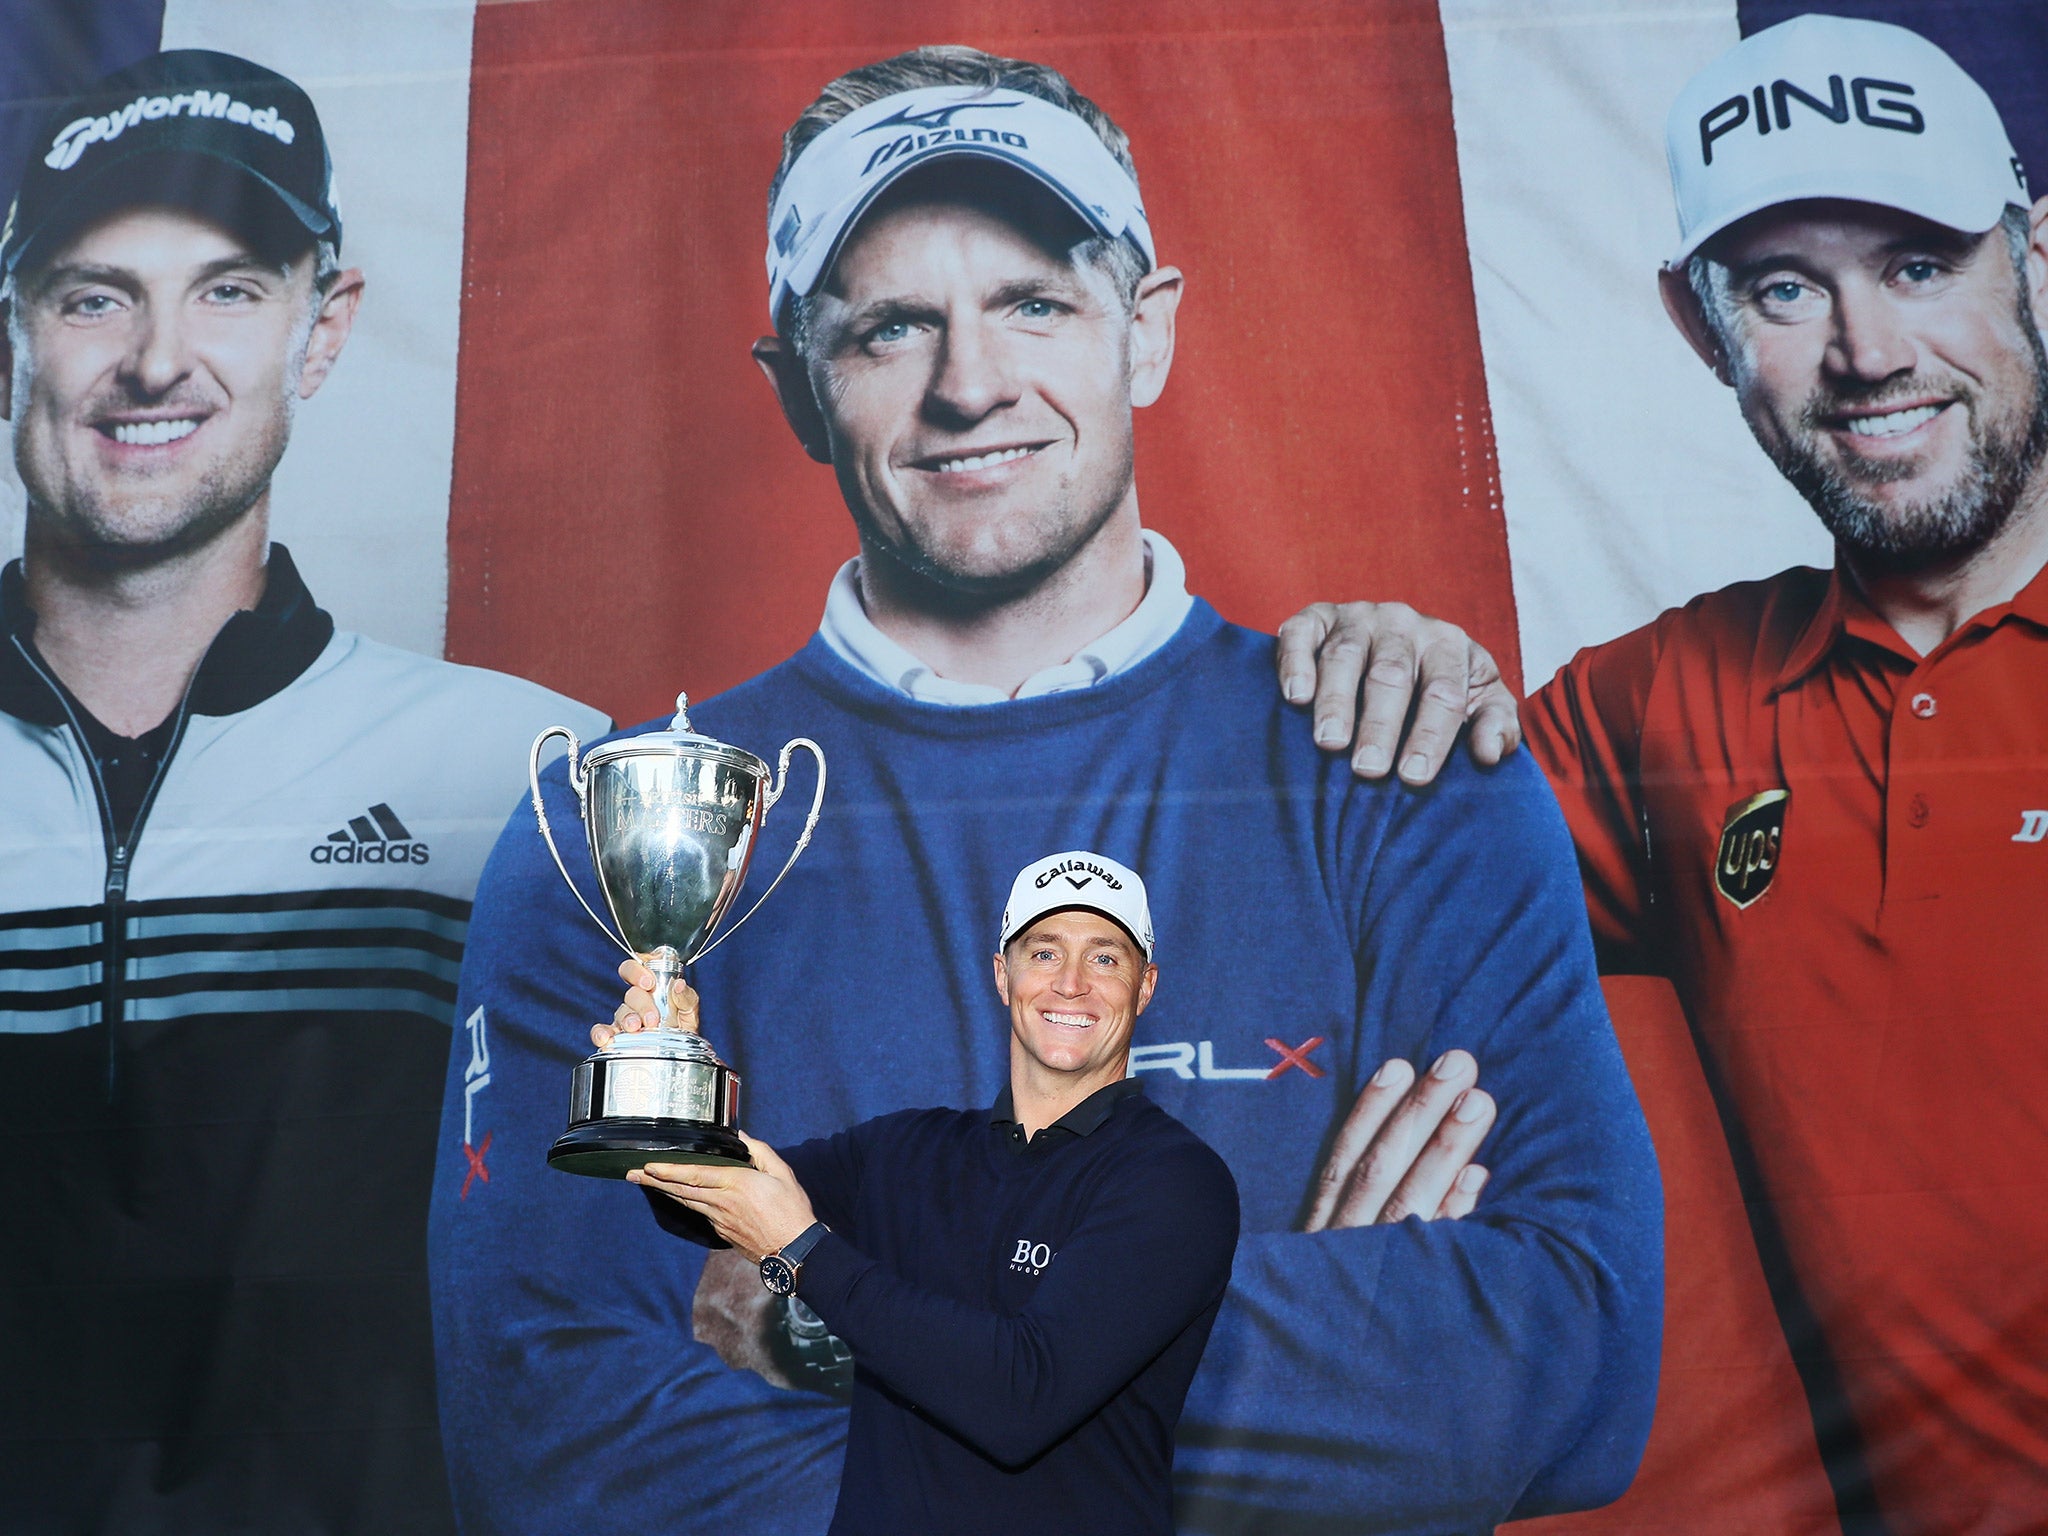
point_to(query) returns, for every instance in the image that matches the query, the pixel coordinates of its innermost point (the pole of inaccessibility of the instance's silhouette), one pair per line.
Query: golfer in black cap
(235, 864)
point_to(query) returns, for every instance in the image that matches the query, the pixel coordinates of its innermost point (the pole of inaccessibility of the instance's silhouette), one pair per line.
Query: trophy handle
(579, 782)
(803, 839)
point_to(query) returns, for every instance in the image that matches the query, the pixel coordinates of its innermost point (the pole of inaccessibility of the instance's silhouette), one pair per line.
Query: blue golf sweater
(1437, 1376)
(1024, 1345)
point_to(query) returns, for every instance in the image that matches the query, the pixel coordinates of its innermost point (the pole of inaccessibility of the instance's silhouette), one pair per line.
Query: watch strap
(798, 1248)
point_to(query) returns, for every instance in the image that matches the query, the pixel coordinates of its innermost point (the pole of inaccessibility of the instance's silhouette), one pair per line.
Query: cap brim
(1075, 906)
(842, 219)
(90, 196)
(1969, 211)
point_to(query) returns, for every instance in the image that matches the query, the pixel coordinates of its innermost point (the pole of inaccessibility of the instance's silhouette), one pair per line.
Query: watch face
(778, 1274)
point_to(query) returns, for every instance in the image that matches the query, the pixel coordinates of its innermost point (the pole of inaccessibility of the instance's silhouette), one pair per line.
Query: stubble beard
(1906, 537)
(136, 532)
(961, 575)
(134, 529)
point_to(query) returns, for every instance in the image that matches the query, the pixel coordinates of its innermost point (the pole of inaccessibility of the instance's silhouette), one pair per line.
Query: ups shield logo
(1750, 840)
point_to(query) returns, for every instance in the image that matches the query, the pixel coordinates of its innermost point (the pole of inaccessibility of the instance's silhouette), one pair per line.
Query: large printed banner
(256, 1111)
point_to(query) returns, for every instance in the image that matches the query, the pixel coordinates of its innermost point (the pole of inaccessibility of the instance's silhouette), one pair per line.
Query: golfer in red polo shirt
(1819, 803)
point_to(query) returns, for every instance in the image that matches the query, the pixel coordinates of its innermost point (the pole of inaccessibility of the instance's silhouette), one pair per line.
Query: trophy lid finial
(682, 719)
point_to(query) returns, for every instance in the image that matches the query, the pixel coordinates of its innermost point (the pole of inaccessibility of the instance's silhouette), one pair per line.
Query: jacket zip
(120, 855)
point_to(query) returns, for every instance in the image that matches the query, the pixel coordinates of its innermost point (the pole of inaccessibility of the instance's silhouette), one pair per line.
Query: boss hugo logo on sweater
(1751, 840)
(377, 838)
(1030, 1258)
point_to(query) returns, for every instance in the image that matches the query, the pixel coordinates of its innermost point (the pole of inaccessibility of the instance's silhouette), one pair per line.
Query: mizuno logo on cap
(916, 143)
(935, 117)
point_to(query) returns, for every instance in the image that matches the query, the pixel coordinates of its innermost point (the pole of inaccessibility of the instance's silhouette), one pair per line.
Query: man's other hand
(1407, 1146)
(637, 1011)
(736, 1315)
(757, 1209)
(1389, 656)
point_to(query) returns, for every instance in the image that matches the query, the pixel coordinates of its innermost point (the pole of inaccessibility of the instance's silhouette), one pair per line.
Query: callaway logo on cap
(1078, 881)
(1823, 106)
(163, 119)
(842, 171)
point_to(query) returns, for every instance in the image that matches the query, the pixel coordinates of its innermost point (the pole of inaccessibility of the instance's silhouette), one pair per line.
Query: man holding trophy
(999, 1267)
(969, 308)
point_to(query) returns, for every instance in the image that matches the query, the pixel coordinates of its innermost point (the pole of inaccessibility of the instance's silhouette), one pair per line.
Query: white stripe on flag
(1629, 480)
(362, 495)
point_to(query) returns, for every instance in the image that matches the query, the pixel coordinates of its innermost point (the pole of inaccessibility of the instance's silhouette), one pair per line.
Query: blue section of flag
(50, 48)
(2003, 44)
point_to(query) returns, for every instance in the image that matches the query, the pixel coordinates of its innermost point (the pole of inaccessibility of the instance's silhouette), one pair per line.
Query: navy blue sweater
(1419, 1376)
(1026, 1318)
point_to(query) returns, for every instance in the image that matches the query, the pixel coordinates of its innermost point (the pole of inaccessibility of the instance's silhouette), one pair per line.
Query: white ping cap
(844, 169)
(1825, 106)
(1078, 881)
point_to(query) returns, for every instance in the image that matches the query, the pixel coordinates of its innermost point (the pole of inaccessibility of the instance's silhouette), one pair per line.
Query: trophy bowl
(671, 818)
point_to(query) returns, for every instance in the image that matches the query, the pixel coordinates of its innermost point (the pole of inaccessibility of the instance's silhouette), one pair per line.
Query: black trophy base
(610, 1149)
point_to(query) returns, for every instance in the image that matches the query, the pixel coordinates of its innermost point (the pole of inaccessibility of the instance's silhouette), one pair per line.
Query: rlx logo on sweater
(1196, 1059)
(476, 1077)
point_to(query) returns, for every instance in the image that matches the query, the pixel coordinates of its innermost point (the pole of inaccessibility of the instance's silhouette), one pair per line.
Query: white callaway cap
(1823, 106)
(844, 169)
(1078, 880)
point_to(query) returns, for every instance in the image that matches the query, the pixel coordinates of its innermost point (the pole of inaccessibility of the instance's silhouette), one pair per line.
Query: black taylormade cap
(180, 127)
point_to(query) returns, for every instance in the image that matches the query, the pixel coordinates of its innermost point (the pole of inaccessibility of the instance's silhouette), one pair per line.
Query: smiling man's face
(976, 389)
(1075, 984)
(157, 363)
(1892, 370)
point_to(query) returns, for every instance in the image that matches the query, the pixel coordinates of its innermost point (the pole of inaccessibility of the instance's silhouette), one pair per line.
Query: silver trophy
(671, 817)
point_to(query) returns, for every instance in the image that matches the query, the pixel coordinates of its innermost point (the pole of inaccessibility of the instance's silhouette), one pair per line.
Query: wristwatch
(779, 1271)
